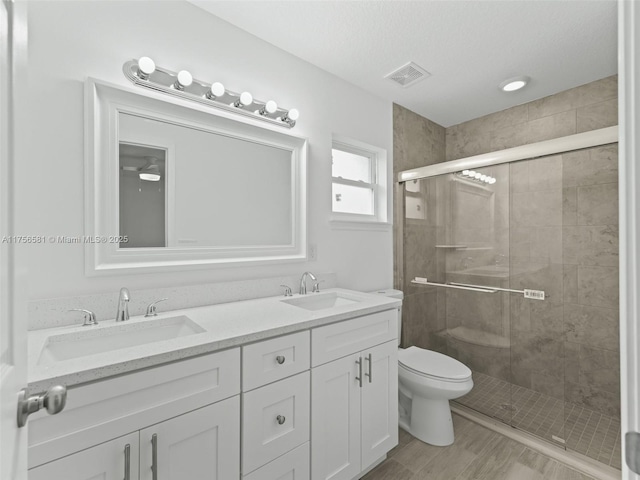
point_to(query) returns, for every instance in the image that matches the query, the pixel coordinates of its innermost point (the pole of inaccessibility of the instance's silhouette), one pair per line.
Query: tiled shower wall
(417, 142)
(582, 319)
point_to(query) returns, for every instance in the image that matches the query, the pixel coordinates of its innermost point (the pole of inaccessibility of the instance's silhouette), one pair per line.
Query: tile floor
(585, 431)
(478, 454)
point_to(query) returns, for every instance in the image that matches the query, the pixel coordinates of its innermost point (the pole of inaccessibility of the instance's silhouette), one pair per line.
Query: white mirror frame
(103, 104)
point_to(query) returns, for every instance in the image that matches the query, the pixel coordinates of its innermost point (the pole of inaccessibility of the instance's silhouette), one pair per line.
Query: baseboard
(575, 460)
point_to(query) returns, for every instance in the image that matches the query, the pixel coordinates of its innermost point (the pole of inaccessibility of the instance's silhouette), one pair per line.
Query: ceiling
(468, 46)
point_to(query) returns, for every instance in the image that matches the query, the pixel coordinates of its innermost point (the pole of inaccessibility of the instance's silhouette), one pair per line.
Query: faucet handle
(89, 316)
(151, 308)
(287, 291)
(316, 286)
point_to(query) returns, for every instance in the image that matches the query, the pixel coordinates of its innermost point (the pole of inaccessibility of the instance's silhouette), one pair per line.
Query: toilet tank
(390, 292)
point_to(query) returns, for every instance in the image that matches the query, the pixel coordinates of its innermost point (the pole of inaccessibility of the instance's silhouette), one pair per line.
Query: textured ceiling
(469, 47)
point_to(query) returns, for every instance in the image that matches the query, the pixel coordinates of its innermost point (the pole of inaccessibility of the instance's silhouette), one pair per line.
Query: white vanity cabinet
(276, 408)
(354, 418)
(191, 406)
(317, 404)
(116, 459)
(204, 443)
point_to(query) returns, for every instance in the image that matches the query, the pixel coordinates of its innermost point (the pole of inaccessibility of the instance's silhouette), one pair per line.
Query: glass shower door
(479, 235)
(457, 236)
(536, 261)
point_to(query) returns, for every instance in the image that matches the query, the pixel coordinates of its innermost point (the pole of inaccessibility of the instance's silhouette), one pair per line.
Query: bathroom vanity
(300, 387)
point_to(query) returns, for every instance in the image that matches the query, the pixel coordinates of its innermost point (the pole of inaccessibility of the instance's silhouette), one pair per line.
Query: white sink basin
(91, 341)
(320, 301)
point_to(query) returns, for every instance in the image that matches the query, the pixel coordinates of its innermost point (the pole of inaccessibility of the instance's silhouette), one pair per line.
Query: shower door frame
(594, 138)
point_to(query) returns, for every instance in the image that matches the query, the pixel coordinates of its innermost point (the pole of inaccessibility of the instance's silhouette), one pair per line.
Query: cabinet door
(107, 461)
(335, 420)
(202, 444)
(379, 414)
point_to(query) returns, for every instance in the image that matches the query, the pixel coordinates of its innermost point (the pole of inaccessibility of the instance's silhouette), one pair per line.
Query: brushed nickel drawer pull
(359, 377)
(280, 419)
(154, 457)
(280, 359)
(370, 374)
(127, 462)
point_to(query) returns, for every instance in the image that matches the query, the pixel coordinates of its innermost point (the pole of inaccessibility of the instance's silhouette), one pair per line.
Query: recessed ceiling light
(513, 84)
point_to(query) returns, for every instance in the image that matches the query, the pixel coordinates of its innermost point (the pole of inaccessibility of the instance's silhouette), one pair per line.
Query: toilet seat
(429, 364)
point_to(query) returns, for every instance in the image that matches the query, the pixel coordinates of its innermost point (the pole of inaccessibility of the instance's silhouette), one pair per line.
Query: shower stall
(510, 264)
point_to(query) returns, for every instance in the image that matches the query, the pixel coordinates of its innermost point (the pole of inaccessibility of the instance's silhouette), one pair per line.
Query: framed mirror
(171, 185)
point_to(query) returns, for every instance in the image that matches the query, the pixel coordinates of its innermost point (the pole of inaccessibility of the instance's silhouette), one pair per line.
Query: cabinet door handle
(370, 374)
(359, 377)
(280, 419)
(154, 456)
(127, 462)
(280, 359)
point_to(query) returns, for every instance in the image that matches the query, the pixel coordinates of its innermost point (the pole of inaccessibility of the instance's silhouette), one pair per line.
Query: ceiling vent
(408, 74)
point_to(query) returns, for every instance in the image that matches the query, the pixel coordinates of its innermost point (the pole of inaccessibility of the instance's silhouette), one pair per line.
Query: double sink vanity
(302, 386)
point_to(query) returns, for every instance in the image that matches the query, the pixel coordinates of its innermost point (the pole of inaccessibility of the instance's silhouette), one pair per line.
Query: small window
(359, 188)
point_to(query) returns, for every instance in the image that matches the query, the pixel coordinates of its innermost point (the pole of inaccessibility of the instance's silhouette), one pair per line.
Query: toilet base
(431, 421)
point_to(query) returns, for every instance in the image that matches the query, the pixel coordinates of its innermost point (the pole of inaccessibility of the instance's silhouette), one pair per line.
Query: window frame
(378, 185)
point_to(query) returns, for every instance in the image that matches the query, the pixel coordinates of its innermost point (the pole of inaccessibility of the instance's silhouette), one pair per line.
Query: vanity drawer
(290, 466)
(344, 338)
(275, 359)
(275, 419)
(97, 412)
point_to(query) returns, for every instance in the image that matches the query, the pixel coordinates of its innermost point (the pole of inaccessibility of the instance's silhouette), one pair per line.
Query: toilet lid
(433, 364)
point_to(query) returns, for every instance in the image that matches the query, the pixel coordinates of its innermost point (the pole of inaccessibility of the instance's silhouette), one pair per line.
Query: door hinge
(632, 451)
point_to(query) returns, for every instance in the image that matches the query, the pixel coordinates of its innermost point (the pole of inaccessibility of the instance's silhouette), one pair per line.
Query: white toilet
(427, 381)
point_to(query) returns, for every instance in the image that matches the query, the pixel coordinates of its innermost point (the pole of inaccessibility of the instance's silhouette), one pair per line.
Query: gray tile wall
(417, 141)
(564, 238)
(577, 110)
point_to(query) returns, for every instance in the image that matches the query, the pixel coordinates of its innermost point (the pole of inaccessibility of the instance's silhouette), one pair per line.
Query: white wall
(69, 41)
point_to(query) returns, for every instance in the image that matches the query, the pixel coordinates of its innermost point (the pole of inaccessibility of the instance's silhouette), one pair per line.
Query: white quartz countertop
(225, 325)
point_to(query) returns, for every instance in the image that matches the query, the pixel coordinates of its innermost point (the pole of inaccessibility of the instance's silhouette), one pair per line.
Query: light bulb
(245, 99)
(146, 67)
(184, 80)
(290, 117)
(269, 107)
(471, 173)
(465, 172)
(483, 177)
(493, 180)
(477, 175)
(216, 90)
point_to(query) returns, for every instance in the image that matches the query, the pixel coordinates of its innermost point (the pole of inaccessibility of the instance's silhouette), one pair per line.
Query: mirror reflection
(184, 186)
(142, 196)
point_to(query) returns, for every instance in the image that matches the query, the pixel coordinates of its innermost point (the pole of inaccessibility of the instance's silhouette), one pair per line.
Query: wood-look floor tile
(415, 455)
(494, 462)
(450, 463)
(562, 472)
(389, 470)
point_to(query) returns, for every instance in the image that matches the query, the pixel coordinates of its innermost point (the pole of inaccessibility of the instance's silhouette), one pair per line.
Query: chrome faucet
(123, 306)
(303, 282)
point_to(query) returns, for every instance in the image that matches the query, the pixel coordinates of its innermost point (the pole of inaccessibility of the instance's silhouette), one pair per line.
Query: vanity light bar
(146, 73)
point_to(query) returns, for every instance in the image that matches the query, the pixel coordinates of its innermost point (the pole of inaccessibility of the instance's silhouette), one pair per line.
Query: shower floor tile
(584, 431)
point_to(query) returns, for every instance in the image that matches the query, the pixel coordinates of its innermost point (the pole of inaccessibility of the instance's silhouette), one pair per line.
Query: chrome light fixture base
(164, 80)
